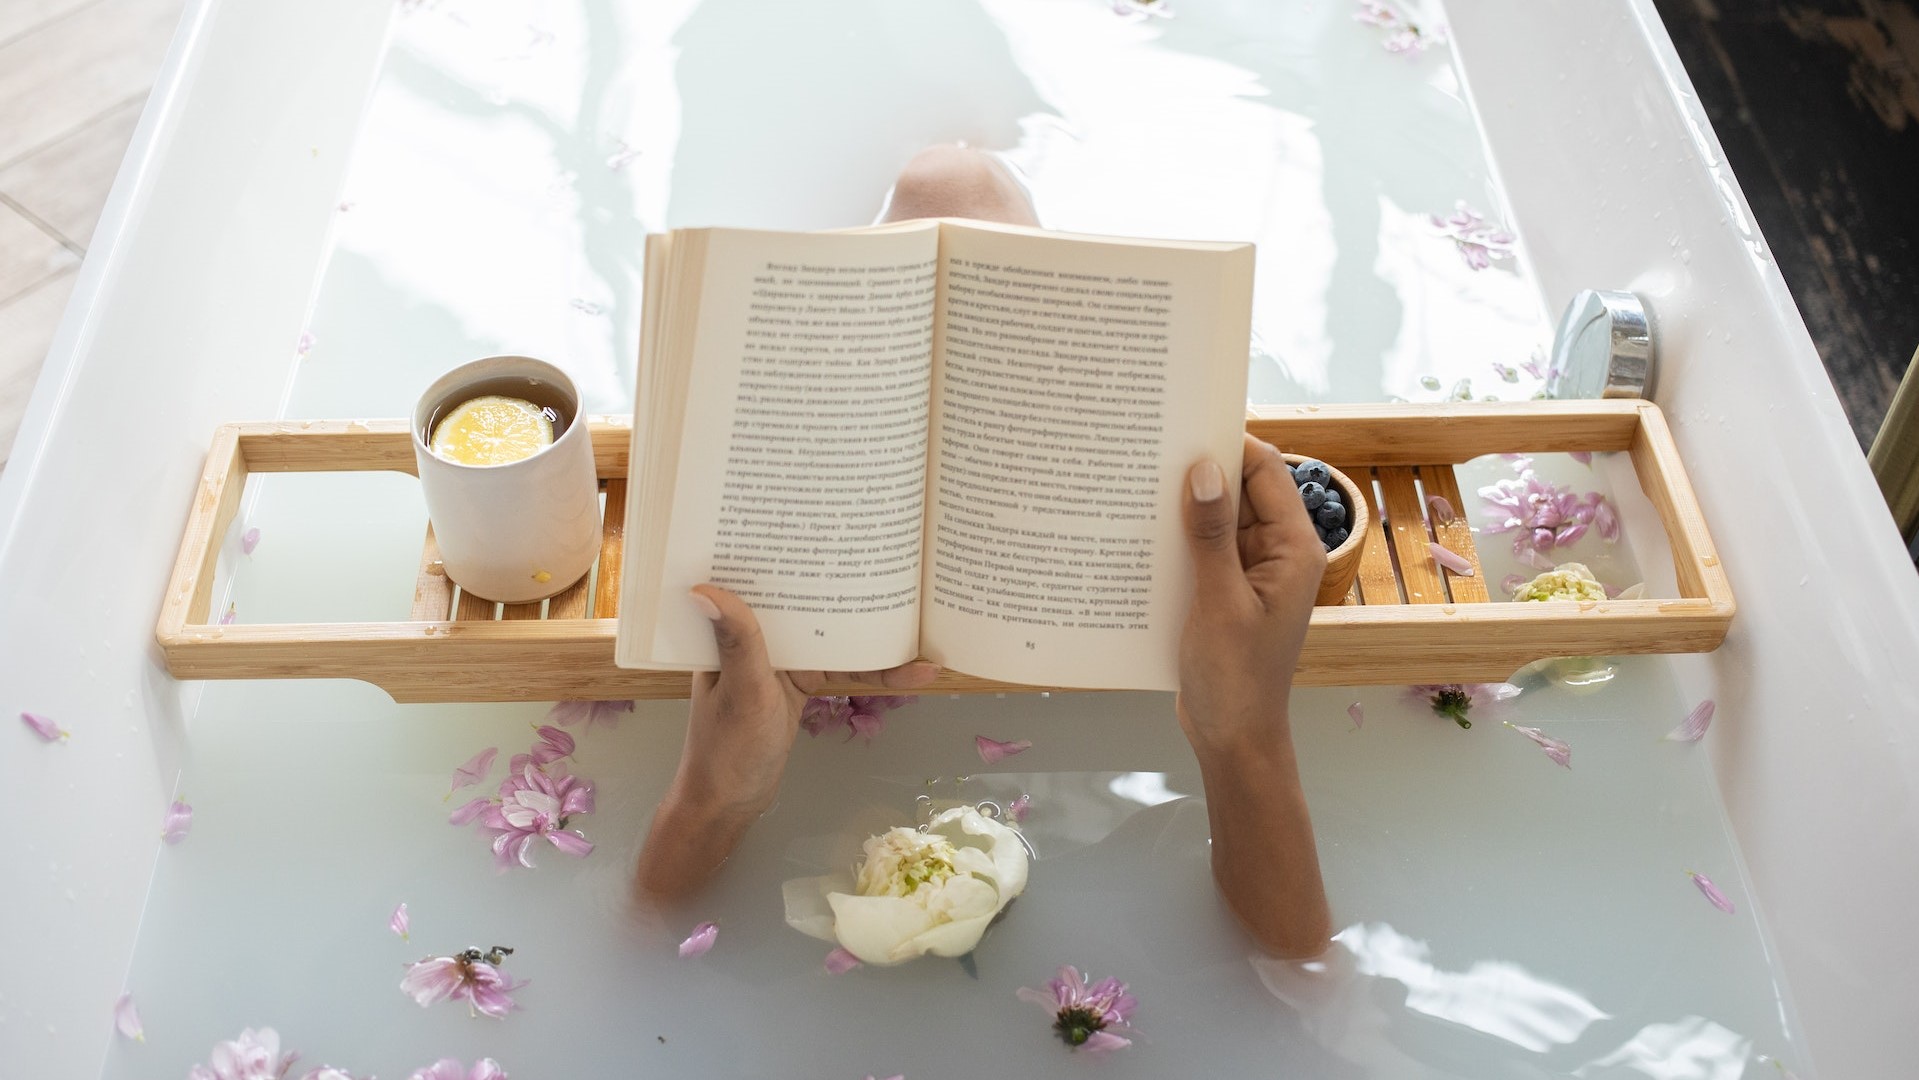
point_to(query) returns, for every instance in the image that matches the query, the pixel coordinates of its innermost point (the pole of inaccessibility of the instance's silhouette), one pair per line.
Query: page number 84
(1030, 645)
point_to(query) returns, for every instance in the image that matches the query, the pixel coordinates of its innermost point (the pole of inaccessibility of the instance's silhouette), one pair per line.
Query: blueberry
(1330, 515)
(1314, 471)
(1333, 496)
(1312, 494)
(1338, 537)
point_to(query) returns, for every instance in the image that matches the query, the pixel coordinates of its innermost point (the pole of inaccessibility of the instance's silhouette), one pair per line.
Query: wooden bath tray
(1405, 621)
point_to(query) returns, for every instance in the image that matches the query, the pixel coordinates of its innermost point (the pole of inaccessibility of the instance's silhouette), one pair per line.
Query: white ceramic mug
(527, 529)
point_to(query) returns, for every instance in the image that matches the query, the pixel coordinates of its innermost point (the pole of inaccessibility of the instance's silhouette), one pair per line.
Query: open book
(939, 438)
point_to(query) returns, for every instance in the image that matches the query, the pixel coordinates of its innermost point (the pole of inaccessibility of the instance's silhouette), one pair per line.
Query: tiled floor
(73, 77)
(1816, 101)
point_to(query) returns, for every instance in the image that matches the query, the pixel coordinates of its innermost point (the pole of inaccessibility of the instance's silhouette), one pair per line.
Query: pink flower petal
(249, 540)
(305, 344)
(992, 750)
(554, 744)
(1358, 712)
(1511, 582)
(1020, 807)
(1606, 521)
(474, 770)
(1561, 754)
(700, 941)
(591, 713)
(1697, 721)
(1100, 1042)
(232, 612)
(468, 811)
(126, 1019)
(43, 727)
(1584, 457)
(1451, 560)
(571, 842)
(400, 922)
(1711, 892)
(179, 819)
(1441, 509)
(839, 962)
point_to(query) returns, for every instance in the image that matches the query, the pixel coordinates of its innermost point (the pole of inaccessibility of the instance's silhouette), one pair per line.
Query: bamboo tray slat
(1406, 620)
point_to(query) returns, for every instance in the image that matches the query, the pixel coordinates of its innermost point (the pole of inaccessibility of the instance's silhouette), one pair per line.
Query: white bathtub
(205, 266)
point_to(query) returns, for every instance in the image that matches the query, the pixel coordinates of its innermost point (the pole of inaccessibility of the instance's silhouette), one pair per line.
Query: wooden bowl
(1342, 563)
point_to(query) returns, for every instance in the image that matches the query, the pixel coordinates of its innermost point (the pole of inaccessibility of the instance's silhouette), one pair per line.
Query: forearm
(1264, 858)
(690, 839)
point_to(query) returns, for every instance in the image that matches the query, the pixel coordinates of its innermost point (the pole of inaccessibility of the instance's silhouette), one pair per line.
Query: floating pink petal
(1441, 509)
(305, 344)
(179, 819)
(1020, 807)
(1561, 753)
(400, 922)
(1358, 712)
(621, 158)
(591, 713)
(474, 770)
(1711, 892)
(1584, 457)
(1511, 582)
(992, 750)
(1697, 721)
(1451, 560)
(700, 941)
(839, 962)
(451, 1069)
(126, 1019)
(230, 614)
(467, 812)
(554, 744)
(1100, 1042)
(43, 727)
(249, 540)
(255, 1055)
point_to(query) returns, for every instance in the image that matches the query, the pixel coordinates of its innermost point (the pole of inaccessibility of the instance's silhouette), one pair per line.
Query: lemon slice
(492, 430)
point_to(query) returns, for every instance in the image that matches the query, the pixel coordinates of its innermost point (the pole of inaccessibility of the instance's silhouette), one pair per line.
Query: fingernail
(707, 607)
(1207, 480)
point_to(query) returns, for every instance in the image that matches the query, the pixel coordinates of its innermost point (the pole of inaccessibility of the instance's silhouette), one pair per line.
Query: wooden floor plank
(27, 325)
(20, 17)
(65, 183)
(67, 72)
(1455, 536)
(29, 254)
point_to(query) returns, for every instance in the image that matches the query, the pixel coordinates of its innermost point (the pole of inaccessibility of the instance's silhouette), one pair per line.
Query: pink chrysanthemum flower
(1479, 241)
(1086, 1016)
(1545, 516)
(864, 716)
(255, 1055)
(533, 806)
(451, 1069)
(471, 976)
(1455, 700)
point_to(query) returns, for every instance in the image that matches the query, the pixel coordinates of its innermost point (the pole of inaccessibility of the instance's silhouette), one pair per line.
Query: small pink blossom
(305, 344)
(839, 962)
(700, 941)
(1020, 807)
(1693, 728)
(255, 1055)
(1403, 35)
(249, 540)
(591, 713)
(400, 922)
(1455, 700)
(45, 728)
(1479, 241)
(993, 750)
(1561, 753)
(1711, 892)
(1544, 516)
(1358, 712)
(179, 819)
(534, 805)
(451, 1069)
(474, 770)
(1086, 1017)
(863, 716)
(126, 1019)
(471, 976)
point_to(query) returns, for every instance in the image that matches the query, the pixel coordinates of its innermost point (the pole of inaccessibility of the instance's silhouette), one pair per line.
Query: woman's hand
(1258, 572)
(744, 720)
(1257, 576)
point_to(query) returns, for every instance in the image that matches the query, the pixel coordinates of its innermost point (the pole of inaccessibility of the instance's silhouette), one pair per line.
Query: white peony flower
(917, 892)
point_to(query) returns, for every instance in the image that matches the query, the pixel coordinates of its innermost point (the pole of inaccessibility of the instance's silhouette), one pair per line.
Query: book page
(1079, 379)
(802, 453)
